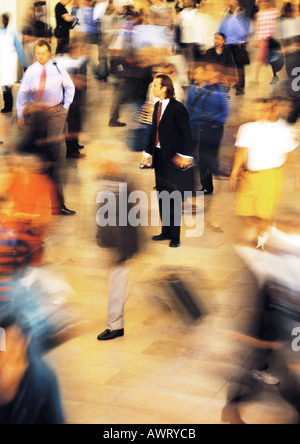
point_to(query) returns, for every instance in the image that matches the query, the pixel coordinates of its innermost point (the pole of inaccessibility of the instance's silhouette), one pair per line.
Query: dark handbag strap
(55, 64)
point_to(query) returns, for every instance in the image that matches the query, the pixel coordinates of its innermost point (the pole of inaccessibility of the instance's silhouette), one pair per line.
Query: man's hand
(20, 123)
(145, 160)
(182, 162)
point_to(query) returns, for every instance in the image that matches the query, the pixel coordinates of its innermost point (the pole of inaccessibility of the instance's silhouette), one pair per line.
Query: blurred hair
(42, 43)
(221, 34)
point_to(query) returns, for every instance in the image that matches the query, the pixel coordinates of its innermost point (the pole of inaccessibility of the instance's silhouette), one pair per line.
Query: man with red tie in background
(171, 145)
(44, 97)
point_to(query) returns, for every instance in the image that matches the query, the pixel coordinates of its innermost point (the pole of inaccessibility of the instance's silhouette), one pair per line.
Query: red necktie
(158, 121)
(42, 85)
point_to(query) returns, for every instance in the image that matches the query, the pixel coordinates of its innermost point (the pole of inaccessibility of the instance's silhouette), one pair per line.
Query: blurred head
(199, 75)
(5, 20)
(288, 10)
(265, 4)
(264, 109)
(43, 52)
(189, 3)
(163, 87)
(282, 107)
(213, 73)
(220, 40)
(164, 68)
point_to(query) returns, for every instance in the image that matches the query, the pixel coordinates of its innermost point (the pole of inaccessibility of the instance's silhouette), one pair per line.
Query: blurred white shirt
(267, 144)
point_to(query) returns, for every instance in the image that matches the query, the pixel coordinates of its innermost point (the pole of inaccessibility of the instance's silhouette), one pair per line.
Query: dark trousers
(241, 59)
(8, 99)
(170, 210)
(241, 77)
(209, 146)
(62, 44)
(123, 93)
(295, 112)
(74, 122)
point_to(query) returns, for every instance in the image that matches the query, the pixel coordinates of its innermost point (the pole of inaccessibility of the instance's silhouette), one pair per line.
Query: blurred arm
(238, 162)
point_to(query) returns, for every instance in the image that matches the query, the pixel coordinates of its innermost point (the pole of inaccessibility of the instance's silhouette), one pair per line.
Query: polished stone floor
(167, 369)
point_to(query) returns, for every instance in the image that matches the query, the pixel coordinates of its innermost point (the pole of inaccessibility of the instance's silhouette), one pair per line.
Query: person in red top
(30, 197)
(266, 20)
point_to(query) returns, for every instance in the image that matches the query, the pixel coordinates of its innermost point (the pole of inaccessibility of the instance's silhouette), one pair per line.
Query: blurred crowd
(203, 46)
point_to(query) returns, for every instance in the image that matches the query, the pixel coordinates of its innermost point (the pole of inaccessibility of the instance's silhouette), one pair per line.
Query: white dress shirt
(165, 104)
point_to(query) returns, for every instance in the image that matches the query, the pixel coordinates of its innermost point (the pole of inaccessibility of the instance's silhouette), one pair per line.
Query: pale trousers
(117, 297)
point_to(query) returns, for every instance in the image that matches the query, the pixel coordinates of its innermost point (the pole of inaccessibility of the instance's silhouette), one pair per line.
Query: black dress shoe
(161, 237)
(240, 92)
(175, 243)
(66, 212)
(6, 111)
(76, 155)
(206, 193)
(116, 124)
(80, 147)
(107, 335)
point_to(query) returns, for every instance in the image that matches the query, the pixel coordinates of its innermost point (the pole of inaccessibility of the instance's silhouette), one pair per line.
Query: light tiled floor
(166, 370)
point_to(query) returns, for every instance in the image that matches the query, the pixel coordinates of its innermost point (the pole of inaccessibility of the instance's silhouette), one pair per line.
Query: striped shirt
(266, 24)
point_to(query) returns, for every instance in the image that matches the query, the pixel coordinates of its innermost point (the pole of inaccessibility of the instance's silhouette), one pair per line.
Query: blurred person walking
(10, 51)
(122, 242)
(128, 73)
(186, 26)
(263, 148)
(64, 23)
(75, 62)
(89, 24)
(236, 27)
(44, 97)
(266, 21)
(290, 38)
(272, 359)
(208, 108)
(29, 391)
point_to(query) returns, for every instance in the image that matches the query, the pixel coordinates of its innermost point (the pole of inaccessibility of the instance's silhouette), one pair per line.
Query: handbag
(240, 54)
(275, 59)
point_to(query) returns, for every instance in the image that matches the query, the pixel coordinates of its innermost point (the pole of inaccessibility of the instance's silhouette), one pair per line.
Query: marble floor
(167, 369)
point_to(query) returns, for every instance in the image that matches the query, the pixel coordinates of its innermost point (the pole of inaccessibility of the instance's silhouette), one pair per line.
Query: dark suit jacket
(175, 134)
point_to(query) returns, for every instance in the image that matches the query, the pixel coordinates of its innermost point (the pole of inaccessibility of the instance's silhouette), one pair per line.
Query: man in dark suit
(170, 145)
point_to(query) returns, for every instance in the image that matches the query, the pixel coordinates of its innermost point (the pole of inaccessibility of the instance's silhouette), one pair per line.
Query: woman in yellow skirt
(259, 164)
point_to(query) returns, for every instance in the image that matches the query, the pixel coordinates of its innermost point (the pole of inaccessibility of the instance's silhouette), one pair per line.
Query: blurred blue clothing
(18, 46)
(211, 109)
(86, 23)
(153, 35)
(37, 400)
(236, 28)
